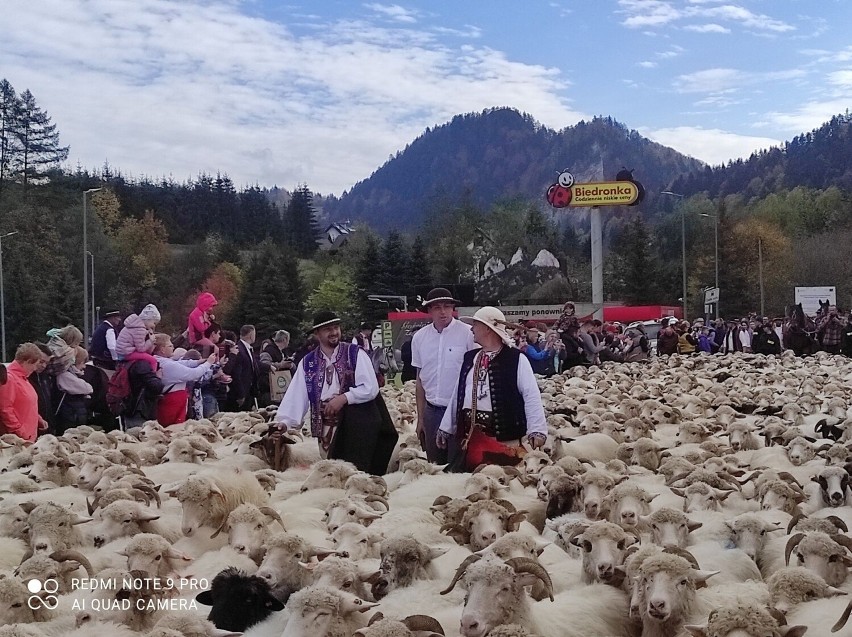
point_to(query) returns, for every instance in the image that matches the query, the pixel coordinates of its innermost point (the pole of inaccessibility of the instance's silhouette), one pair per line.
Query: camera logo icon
(43, 594)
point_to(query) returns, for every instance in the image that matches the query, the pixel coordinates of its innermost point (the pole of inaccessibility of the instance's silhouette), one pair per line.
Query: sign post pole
(597, 263)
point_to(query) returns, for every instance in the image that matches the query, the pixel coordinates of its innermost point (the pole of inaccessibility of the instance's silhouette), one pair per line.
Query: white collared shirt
(527, 386)
(296, 404)
(438, 357)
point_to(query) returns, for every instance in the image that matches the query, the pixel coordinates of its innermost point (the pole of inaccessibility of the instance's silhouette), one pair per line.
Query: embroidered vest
(507, 404)
(314, 365)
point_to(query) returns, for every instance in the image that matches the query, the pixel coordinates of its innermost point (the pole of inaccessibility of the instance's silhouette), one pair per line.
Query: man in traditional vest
(336, 383)
(102, 347)
(496, 406)
(437, 351)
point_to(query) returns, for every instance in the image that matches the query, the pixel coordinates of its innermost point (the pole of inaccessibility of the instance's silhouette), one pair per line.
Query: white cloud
(163, 87)
(718, 80)
(711, 145)
(394, 12)
(672, 52)
(843, 79)
(647, 65)
(660, 13)
(707, 28)
(810, 115)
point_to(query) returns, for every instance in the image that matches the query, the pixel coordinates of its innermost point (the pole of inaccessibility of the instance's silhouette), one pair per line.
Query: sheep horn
(529, 565)
(479, 468)
(777, 615)
(514, 521)
(64, 556)
(689, 557)
(676, 478)
(791, 544)
(843, 618)
(132, 456)
(273, 514)
(378, 498)
(795, 520)
(789, 479)
(146, 489)
(475, 497)
(220, 528)
(441, 500)
(843, 540)
(470, 559)
(754, 474)
(426, 623)
(506, 505)
(840, 524)
(512, 471)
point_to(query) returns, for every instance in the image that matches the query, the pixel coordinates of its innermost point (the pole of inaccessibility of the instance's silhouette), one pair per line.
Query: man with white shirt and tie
(336, 383)
(437, 351)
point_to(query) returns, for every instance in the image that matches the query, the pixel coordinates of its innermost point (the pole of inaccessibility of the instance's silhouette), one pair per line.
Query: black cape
(366, 437)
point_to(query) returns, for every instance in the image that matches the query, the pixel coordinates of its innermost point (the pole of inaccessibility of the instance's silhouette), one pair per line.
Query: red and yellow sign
(604, 193)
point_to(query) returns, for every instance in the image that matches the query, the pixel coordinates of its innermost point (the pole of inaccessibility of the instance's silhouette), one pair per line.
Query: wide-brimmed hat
(110, 314)
(324, 319)
(439, 295)
(493, 318)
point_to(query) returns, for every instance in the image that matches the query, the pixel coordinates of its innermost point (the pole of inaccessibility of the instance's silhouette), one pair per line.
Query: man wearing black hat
(437, 352)
(102, 347)
(336, 383)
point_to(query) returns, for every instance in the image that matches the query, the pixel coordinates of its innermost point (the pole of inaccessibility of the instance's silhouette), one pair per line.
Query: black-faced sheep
(238, 601)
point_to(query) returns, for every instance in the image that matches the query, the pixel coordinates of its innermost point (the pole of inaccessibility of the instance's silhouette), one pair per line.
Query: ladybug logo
(559, 194)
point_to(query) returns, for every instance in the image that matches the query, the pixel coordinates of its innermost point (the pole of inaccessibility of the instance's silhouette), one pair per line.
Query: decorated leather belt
(484, 420)
(329, 427)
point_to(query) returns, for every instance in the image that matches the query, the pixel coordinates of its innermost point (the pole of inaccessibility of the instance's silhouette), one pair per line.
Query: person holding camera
(830, 331)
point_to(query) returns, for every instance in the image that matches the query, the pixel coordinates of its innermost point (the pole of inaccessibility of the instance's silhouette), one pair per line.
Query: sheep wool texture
(752, 619)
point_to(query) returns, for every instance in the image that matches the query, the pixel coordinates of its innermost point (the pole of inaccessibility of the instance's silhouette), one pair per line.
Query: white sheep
(210, 497)
(154, 555)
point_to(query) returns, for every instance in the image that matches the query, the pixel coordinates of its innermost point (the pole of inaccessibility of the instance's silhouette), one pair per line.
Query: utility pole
(86, 273)
(760, 273)
(682, 241)
(2, 294)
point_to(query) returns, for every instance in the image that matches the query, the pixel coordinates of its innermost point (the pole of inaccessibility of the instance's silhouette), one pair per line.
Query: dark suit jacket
(244, 372)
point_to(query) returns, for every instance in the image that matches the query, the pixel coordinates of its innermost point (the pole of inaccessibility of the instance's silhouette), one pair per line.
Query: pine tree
(639, 274)
(394, 266)
(368, 270)
(273, 296)
(418, 274)
(10, 109)
(38, 140)
(300, 223)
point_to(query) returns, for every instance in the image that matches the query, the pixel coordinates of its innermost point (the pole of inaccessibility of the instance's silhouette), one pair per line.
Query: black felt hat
(440, 295)
(324, 319)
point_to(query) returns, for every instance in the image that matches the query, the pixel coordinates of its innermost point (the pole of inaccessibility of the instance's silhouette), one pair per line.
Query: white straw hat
(494, 319)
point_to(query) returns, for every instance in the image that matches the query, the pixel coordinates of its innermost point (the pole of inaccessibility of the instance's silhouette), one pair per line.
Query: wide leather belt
(484, 420)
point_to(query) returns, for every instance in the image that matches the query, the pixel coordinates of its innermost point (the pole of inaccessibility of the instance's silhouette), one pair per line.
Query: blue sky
(277, 93)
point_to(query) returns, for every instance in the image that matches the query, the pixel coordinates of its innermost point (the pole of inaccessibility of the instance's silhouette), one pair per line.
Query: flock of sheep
(704, 496)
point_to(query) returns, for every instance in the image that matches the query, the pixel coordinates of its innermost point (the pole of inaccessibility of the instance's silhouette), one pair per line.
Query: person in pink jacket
(201, 317)
(134, 342)
(18, 399)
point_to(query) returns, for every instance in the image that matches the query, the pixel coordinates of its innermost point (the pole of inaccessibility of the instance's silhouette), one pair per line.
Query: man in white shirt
(437, 351)
(102, 346)
(327, 379)
(496, 404)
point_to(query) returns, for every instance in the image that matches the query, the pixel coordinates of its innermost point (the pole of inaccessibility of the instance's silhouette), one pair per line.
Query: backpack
(182, 340)
(118, 391)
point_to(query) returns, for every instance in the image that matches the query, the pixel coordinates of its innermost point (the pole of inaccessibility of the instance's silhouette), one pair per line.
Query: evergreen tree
(38, 140)
(368, 270)
(394, 266)
(273, 296)
(10, 109)
(639, 273)
(300, 222)
(418, 273)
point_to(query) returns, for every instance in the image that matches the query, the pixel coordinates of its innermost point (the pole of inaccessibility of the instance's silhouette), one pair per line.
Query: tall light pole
(716, 262)
(2, 294)
(682, 242)
(86, 273)
(92, 258)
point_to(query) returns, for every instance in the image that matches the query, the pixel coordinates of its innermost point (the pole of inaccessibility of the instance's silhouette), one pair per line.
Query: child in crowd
(73, 409)
(135, 341)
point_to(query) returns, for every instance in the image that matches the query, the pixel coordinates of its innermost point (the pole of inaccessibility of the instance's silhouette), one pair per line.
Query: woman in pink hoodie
(18, 399)
(201, 317)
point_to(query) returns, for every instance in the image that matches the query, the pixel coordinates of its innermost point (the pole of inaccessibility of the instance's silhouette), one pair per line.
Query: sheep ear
(692, 526)
(696, 631)
(703, 576)
(437, 551)
(205, 597)
(792, 631)
(834, 592)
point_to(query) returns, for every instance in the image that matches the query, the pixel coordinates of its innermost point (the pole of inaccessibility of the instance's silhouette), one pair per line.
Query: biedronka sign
(624, 191)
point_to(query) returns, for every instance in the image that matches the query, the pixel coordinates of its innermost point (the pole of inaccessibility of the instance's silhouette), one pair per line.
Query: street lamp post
(92, 260)
(682, 242)
(716, 262)
(86, 273)
(2, 294)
